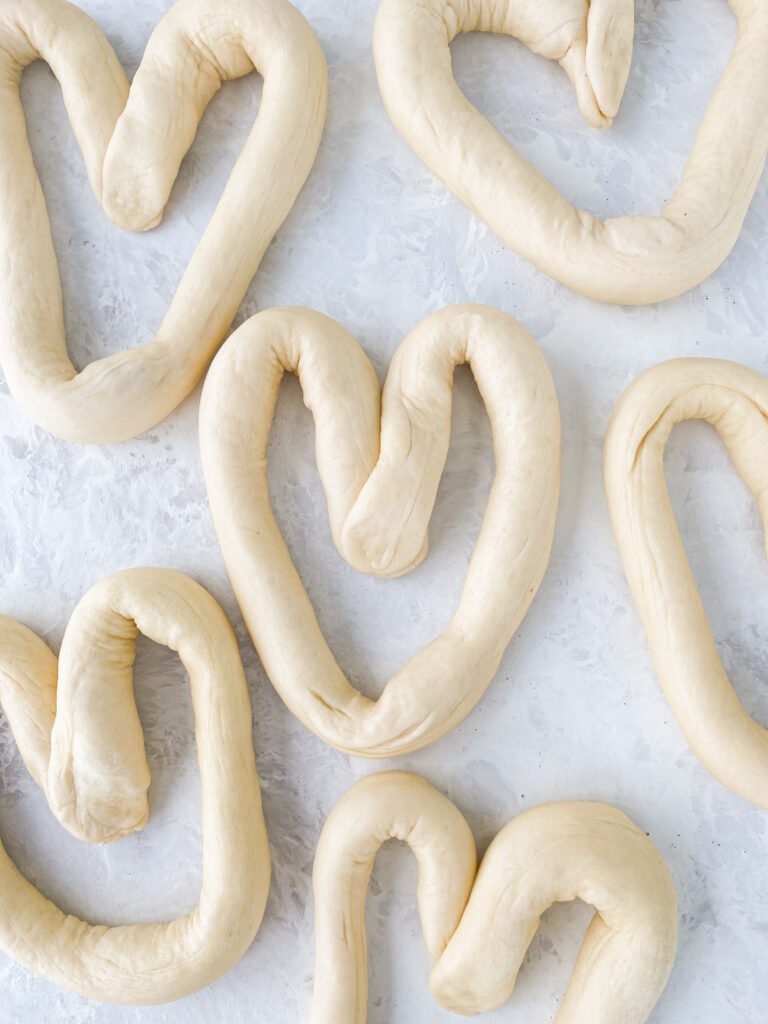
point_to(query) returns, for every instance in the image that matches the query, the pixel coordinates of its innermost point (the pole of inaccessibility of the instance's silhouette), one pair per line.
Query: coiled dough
(734, 399)
(479, 929)
(380, 467)
(76, 725)
(133, 142)
(631, 259)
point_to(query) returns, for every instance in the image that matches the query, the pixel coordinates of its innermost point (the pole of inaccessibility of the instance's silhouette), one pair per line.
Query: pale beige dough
(734, 399)
(388, 805)
(479, 929)
(380, 468)
(133, 142)
(632, 259)
(76, 725)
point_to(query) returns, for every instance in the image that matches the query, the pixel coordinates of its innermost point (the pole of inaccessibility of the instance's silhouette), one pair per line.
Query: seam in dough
(734, 399)
(479, 928)
(133, 141)
(380, 467)
(630, 259)
(75, 722)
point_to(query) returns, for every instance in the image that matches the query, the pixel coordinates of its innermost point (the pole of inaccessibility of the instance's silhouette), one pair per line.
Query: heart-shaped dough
(479, 933)
(632, 259)
(132, 144)
(380, 469)
(78, 731)
(734, 400)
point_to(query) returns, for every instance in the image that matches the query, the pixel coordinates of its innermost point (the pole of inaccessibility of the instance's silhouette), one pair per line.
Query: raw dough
(78, 731)
(380, 471)
(734, 400)
(388, 805)
(554, 852)
(132, 146)
(632, 259)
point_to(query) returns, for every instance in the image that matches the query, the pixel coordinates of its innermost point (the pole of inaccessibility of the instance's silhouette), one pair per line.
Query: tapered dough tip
(108, 820)
(132, 210)
(610, 37)
(138, 222)
(573, 63)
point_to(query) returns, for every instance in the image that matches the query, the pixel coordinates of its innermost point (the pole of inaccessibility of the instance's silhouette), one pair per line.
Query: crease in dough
(628, 260)
(380, 458)
(133, 139)
(479, 928)
(75, 722)
(734, 399)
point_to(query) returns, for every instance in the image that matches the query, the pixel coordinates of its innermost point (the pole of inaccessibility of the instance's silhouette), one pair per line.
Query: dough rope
(631, 259)
(76, 725)
(388, 805)
(132, 144)
(380, 468)
(479, 933)
(734, 400)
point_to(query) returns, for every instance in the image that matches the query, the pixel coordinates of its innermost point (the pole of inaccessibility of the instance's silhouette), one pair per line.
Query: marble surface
(575, 710)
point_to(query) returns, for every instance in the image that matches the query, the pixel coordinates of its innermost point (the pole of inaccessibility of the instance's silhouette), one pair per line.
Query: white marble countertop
(575, 710)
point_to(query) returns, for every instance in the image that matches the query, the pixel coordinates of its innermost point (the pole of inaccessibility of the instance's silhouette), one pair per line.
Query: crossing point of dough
(77, 728)
(632, 259)
(734, 399)
(380, 458)
(133, 140)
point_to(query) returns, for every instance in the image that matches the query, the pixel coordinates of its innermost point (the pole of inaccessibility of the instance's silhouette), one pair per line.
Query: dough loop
(133, 143)
(76, 725)
(380, 467)
(388, 805)
(632, 259)
(734, 400)
(479, 933)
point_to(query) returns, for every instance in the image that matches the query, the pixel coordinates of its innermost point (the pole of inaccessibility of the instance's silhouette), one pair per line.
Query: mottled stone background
(575, 710)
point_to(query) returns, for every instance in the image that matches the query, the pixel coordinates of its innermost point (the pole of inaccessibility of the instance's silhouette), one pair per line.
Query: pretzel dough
(734, 400)
(132, 145)
(389, 805)
(554, 852)
(380, 471)
(634, 259)
(78, 731)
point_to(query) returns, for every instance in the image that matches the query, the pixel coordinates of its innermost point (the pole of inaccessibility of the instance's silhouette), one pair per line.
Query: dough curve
(734, 399)
(77, 728)
(387, 805)
(133, 141)
(380, 472)
(479, 928)
(559, 852)
(628, 260)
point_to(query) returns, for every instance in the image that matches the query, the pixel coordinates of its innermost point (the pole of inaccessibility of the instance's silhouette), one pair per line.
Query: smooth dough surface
(734, 399)
(77, 728)
(133, 140)
(630, 259)
(388, 805)
(479, 929)
(380, 459)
